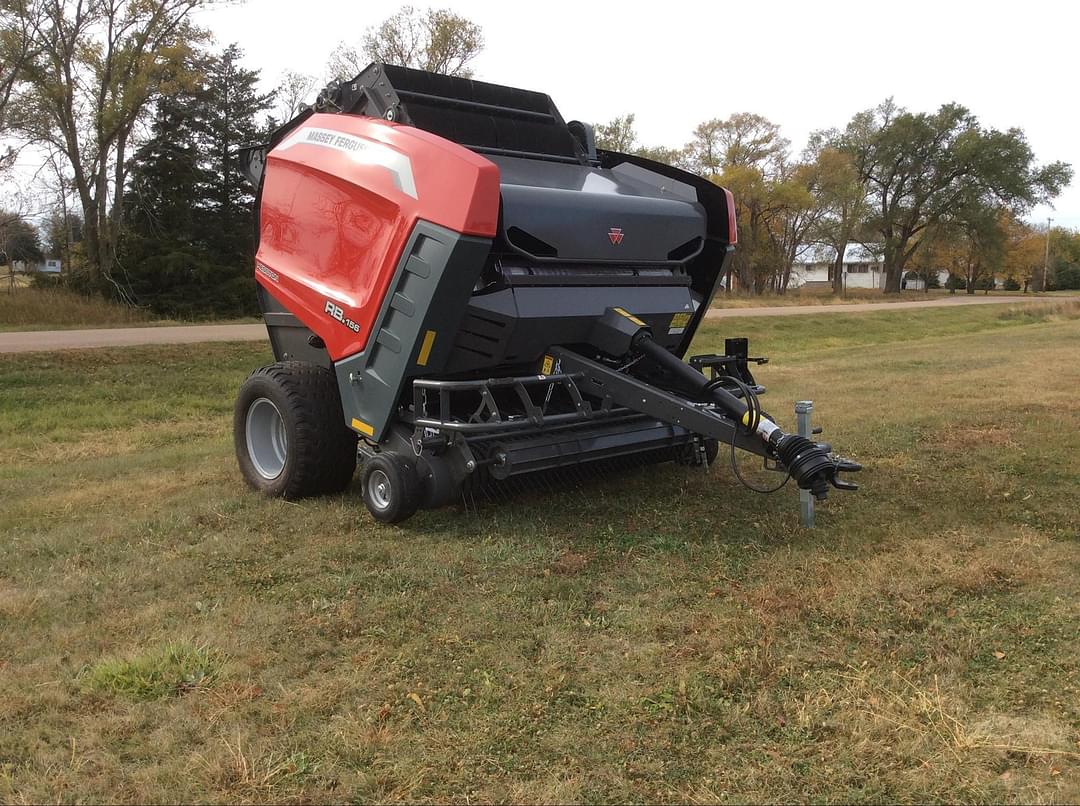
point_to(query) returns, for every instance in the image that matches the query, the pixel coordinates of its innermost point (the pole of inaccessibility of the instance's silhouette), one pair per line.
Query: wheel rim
(379, 489)
(267, 442)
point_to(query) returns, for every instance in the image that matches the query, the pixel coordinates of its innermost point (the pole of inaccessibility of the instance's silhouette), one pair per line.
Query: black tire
(391, 487)
(289, 432)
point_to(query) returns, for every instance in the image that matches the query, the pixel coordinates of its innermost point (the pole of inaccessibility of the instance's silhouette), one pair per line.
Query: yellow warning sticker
(548, 365)
(362, 427)
(678, 323)
(630, 316)
(425, 349)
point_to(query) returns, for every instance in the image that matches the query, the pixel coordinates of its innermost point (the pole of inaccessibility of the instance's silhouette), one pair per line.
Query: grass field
(666, 635)
(57, 308)
(29, 308)
(824, 296)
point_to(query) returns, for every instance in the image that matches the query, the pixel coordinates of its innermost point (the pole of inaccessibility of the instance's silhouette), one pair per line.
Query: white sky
(804, 65)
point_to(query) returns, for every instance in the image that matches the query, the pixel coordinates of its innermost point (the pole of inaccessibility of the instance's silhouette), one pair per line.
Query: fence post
(803, 411)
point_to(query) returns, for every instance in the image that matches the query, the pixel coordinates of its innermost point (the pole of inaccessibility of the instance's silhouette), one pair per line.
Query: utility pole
(1046, 258)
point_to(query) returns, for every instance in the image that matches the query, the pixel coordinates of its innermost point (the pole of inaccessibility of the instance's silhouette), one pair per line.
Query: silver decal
(363, 151)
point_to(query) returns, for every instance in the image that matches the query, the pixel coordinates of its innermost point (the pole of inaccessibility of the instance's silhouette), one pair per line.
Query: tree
(234, 113)
(19, 240)
(744, 139)
(617, 134)
(923, 168)
(188, 248)
(747, 154)
(843, 193)
(293, 94)
(675, 157)
(20, 42)
(436, 40)
(61, 232)
(756, 259)
(166, 251)
(97, 66)
(620, 135)
(1023, 250)
(704, 152)
(1064, 258)
(971, 245)
(981, 228)
(934, 254)
(796, 211)
(1067, 278)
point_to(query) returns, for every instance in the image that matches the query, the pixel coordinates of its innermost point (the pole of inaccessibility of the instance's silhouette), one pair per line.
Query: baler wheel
(391, 487)
(289, 432)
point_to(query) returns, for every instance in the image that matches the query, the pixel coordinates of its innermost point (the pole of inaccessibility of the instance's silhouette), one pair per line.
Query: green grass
(170, 670)
(661, 635)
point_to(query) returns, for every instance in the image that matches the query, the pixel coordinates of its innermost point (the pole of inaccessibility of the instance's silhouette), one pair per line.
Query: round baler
(457, 283)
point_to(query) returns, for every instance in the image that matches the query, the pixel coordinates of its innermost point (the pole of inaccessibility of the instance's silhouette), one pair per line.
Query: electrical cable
(752, 420)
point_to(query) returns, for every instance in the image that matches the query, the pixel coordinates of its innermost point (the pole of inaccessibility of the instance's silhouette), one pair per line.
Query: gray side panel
(290, 339)
(416, 325)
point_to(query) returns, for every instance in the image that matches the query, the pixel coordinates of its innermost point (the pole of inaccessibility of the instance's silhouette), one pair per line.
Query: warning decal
(678, 323)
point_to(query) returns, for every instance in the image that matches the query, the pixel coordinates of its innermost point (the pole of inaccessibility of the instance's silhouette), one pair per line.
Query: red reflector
(732, 228)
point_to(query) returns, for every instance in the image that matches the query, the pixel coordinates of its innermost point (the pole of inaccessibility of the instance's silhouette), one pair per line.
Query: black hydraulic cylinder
(810, 465)
(693, 381)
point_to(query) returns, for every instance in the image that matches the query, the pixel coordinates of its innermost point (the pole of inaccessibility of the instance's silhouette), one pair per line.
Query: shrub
(40, 279)
(1067, 278)
(1012, 284)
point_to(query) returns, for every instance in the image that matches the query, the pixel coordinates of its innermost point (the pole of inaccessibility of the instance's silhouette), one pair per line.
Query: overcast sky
(804, 65)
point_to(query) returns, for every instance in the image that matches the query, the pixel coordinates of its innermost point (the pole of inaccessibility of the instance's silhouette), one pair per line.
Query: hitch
(734, 417)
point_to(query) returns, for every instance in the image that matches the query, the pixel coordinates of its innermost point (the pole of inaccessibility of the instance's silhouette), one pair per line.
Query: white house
(863, 268)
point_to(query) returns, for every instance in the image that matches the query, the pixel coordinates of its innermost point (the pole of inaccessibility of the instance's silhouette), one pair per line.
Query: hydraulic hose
(811, 467)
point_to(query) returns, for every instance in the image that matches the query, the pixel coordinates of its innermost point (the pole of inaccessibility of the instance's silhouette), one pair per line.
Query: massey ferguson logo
(615, 234)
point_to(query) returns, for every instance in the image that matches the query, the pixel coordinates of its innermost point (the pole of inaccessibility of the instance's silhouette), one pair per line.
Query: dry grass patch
(244, 775)
(46, 308)
(918, 720)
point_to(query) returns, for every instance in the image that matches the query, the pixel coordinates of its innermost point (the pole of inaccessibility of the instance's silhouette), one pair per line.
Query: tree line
(923, 190)
(138, 115)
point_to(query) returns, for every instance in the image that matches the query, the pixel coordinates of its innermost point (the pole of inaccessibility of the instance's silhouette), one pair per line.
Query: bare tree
(293, 94)
(436, 40)
(96, 66)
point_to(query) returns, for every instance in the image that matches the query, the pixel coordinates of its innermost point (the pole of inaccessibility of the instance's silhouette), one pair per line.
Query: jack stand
(803, 410)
